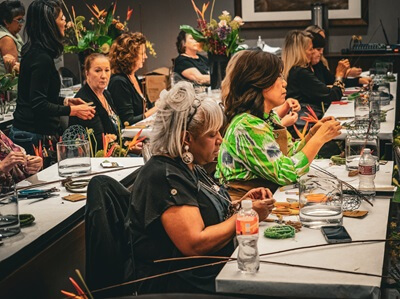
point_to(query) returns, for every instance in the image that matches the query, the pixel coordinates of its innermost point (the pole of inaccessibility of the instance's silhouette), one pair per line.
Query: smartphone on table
(335, 234)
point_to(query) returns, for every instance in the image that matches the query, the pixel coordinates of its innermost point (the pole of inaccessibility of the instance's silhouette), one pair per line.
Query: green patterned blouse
(249, 151)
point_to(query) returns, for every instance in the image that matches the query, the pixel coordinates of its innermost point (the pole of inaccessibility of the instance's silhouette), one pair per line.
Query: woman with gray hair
(176, 208)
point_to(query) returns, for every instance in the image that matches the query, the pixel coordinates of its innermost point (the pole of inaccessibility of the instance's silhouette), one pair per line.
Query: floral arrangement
(310, 117)
(217, 37)
(105, 28)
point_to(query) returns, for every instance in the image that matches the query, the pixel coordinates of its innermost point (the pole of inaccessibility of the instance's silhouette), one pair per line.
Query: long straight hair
(294, 50)
(317, 30)
(248, 73)
(41, 27)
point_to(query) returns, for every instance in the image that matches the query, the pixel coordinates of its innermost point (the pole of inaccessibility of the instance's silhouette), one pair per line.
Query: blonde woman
(302, 84)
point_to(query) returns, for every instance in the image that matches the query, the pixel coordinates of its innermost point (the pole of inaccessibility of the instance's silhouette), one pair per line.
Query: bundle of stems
(354, 189)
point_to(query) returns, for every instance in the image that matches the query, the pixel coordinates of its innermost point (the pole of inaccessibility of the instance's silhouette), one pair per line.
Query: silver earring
(187, 157)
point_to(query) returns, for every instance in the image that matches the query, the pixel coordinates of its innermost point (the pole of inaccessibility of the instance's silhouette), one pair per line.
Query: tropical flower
(218, 37)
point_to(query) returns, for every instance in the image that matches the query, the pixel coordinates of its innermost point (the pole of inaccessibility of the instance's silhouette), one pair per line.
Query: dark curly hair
(9, 9)
(124, 52)
(180, 42)
(248, 73)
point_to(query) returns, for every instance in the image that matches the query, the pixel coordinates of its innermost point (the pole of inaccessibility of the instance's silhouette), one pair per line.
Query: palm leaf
(197, 35)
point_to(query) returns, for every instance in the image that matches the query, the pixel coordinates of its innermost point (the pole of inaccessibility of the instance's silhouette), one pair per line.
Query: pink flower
(222, 23)
(239, 20)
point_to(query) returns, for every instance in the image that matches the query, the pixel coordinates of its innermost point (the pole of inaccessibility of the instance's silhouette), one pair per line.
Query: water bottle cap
(367, 150)
(259, 37)
(247, 204)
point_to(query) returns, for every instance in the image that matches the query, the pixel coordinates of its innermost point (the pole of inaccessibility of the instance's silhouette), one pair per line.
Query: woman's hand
(342, 67)
(329, 130)
(150, 112)
(289, 119)
(34, 164)
(12, 159)
(75, 101)
(263, 203)
(137, 148)
(84, 111)
(316, 126)
(353, 72)
(293, 104)
(364, 80)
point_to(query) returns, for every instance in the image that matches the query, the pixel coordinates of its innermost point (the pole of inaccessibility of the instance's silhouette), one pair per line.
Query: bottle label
(247, 226)
(367, 169)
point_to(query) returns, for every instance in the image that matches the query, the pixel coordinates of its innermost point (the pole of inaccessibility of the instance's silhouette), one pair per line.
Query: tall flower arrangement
(105, 27)
(219, 37)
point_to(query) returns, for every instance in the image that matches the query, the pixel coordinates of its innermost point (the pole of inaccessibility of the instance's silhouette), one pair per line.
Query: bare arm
(194, 74)
(8, 47)
(185, 227)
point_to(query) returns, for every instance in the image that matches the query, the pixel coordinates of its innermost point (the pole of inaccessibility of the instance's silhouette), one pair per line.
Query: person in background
(321, 67)
(257, 150)
(127, 56)
(11, 20)
(189, 64)
(302, 83)
(98, 72)
(176, 209)
(39, 106)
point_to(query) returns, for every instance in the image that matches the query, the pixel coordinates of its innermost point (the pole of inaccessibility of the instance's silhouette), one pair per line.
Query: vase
(217, 65)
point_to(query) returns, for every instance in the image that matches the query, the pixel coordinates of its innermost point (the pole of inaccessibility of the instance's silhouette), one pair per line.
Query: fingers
(327, 118)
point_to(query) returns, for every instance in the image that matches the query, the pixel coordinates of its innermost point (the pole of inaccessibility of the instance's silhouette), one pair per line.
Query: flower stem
(212, 10)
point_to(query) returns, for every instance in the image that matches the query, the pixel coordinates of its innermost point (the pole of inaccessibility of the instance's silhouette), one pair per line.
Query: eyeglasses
(20, 21)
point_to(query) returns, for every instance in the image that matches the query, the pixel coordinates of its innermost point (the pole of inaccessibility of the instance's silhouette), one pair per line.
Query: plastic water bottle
(260, 43)
(367, 172)
(247, 236)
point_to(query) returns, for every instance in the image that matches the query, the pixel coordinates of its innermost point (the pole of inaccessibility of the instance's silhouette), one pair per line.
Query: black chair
(109, 257)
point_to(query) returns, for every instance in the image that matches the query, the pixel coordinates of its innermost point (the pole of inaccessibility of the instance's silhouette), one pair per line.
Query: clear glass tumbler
(73, 158)
(9, 216)
(320, 201)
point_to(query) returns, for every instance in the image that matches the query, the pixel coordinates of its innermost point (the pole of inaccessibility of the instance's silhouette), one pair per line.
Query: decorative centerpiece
(220, 39)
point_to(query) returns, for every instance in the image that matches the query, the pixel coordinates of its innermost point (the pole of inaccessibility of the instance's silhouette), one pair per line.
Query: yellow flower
(120, 26)
(149, 46)
(105, 48)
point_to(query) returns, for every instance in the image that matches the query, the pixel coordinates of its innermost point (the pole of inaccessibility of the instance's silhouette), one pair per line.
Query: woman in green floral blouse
(257, 150)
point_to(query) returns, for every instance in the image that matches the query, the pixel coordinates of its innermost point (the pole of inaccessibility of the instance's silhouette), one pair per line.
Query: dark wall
(159, 20)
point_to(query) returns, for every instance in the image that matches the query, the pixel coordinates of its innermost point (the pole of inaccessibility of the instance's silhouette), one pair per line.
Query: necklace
(208, 184)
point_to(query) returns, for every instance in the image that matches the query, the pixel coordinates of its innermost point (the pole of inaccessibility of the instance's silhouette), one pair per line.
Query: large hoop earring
(187, 157)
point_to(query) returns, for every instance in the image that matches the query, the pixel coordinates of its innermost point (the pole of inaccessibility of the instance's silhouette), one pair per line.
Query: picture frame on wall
(297, 13)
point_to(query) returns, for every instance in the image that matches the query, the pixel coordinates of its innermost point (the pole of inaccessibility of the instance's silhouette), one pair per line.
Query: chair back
(109, 257)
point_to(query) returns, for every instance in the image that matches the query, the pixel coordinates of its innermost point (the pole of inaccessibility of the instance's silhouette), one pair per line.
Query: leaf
(110, 15)
(104, 39)
(197, 35)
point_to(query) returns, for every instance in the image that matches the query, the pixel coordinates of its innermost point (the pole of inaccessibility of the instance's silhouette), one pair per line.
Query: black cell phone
(335, 234)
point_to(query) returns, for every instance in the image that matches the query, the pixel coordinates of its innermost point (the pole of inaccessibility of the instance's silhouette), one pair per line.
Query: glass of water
(320, 201)
(9, 216)
(73, 158)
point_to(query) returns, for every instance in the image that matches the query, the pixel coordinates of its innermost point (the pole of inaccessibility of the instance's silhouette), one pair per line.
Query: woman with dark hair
(257, 150)
(189, 65)
(98, 72)
(127, 56)
(39, 106)
(11, 19)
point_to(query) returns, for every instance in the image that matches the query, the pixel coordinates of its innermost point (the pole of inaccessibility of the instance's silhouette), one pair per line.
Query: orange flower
(120, 26)
(129, 13)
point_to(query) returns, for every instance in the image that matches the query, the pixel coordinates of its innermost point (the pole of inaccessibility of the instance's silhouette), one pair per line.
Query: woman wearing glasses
(257, 150)
(11, 20)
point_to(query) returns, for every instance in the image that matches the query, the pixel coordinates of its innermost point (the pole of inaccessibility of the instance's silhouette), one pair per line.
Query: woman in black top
(176, 208)
(39, 107)
(189, 65)
(302, 84)
(127, 55)
(320, 64)
(98, 72)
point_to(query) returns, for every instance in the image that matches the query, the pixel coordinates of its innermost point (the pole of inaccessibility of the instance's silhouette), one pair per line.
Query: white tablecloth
(285, 281)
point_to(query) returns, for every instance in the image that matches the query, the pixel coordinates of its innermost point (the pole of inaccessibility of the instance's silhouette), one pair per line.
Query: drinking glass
(67, 82)
(9, 219)
(320, 201)
(354, 146)
(73, 158)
